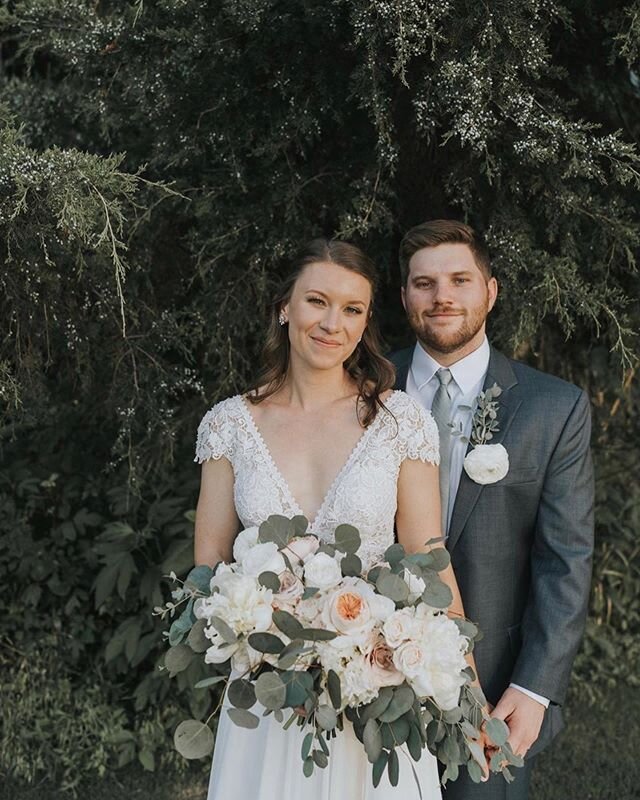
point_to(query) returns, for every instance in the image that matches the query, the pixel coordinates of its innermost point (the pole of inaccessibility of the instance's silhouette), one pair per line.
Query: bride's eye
(316, 300)
(354, 310)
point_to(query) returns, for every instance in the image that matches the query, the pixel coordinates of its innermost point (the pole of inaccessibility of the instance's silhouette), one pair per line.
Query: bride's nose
(331, 321)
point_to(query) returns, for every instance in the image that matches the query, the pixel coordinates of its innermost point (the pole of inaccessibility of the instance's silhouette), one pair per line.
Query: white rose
(301, 548)
(416, 585)
(263, 558)
(244, 541)
(322, 571)
(240, 602)
(487, 463)
(219, 651)
(434, 662)
(400, 626)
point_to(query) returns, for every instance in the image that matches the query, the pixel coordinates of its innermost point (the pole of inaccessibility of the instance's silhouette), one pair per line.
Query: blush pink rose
(381, 666)
(301, 548)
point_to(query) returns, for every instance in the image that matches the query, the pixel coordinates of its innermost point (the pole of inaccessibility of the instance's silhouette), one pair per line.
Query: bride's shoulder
(417, 432)
(216, 431)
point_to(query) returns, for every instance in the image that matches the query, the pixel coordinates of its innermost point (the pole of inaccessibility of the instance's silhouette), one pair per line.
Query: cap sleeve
(216, 433)
(418, 433)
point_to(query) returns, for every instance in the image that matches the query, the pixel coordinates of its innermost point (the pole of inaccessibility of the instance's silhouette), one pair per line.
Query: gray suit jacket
(521, 548)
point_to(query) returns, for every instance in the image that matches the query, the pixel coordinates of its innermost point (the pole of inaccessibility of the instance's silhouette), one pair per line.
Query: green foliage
(133, 285)
(55, 724)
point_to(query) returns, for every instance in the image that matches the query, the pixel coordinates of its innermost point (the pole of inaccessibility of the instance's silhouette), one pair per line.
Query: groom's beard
(454, 337)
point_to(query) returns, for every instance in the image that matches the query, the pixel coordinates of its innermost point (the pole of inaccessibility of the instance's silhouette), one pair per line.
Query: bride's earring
(282, 319)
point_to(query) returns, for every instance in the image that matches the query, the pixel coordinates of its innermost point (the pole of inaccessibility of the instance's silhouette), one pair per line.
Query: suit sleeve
(561, 561)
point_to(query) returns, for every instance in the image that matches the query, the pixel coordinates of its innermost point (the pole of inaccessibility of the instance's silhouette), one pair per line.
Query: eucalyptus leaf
(475, 773)
(199, 578)
(440, 558)
(196, 639)
(299, 687)
(372, 740)
(377, 706)
(243, 718)
(379, 768)
(299, 525)
(399, 730)
(203, 684)
(305, 750)
(347, 538)
(437, 594)
(401, 702)
(270, 690)
(320, 759)
(224, 630)
(276, 528)
(334, 689)
(310, 591)
(288, 624)
(326, 717)
(497, 731)
(266, 642)
(291, 653)
(393, 768)
(241, 693)
(307, 767)
(393, 587)
(394, 554)
(452, 715)
(269, 580)
(318, 635)
(351, 565)
(193, 739)
(414, 743)
(178, 658)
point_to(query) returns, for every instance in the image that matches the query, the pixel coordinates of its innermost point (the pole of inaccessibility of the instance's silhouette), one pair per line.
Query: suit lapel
(402, 362)
(499, 372)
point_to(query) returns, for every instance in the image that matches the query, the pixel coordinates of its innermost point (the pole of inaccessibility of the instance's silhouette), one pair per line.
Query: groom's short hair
(443, 231)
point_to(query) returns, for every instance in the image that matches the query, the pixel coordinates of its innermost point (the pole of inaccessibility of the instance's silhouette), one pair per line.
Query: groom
(521, 545)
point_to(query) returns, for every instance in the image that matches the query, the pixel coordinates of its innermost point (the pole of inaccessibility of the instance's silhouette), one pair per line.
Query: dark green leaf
(320, 758)
(401, 702)
(394, 554)
(178, 658)
(196, 639)
(243, 718)
(266, 643)
(497, 731)
(224, 630)
(393, 768)
(318, 635)
(210, 681)
(199, 578)
(288, 624)
(276, 529)
(379, 767)
(269, 580)
(347, 539)
(437, 594)
(351, 565)
(372, 740)
(241, 693)
(334, 689)
(326, 717)
(393, 587)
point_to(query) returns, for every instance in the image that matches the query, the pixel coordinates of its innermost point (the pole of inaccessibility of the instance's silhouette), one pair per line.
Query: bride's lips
(325, 342)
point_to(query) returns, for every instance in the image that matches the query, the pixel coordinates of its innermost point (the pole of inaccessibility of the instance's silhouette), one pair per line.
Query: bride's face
(327, 313)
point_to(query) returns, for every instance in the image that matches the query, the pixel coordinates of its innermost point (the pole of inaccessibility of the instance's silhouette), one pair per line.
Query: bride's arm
(216, 520)
(418, 518)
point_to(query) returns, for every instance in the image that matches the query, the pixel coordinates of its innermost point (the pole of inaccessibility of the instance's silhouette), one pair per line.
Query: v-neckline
(284, 485)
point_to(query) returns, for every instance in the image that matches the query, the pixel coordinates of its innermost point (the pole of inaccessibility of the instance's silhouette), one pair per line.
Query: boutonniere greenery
(485, 463)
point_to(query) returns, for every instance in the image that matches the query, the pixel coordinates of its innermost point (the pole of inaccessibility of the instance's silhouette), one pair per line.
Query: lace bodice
(363, 493)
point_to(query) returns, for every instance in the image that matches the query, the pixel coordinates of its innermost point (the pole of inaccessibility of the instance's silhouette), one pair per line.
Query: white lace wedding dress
(265, 763)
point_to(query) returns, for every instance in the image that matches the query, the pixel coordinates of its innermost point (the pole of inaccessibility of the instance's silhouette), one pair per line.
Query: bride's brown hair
(370, 370)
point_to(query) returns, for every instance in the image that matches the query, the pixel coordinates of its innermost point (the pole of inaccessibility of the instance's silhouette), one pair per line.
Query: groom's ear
(492, 288)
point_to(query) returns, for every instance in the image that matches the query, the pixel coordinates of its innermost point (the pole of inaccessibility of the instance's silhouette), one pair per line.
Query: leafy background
(159, 161)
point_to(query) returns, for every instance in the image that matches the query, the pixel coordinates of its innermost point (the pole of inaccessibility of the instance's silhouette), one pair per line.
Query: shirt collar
(467, 372)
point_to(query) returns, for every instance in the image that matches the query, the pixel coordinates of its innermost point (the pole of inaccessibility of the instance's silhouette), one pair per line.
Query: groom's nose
(440, 292)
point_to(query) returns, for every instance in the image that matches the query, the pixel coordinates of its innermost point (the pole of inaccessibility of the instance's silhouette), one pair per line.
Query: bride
(322, 435)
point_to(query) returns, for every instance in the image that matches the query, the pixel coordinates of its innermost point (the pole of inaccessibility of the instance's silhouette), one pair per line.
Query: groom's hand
(524, 717)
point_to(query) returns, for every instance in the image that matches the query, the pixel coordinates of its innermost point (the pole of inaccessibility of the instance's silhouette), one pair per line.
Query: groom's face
(447, 299)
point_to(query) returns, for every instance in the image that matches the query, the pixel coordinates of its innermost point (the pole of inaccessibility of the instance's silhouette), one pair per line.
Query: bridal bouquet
(295, 625)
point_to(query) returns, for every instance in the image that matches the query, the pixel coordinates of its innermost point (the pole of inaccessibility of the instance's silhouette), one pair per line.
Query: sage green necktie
(441, 410)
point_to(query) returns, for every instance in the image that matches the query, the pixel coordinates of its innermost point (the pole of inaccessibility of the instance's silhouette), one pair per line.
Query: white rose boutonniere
(486, 463)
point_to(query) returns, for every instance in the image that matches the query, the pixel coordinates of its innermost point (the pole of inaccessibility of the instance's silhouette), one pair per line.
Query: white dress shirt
(468, 379)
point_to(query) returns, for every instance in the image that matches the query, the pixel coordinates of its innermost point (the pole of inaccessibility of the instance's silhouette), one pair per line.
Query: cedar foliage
(160, 161)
